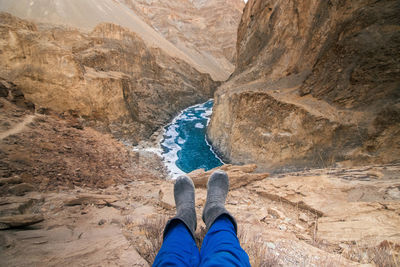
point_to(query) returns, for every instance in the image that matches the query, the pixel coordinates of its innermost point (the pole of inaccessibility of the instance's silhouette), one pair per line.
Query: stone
(84, 199)
(14, 221)
(298, 226)
(21, 189)
(238, 175)
(271, 245)
(166, 197)
(303, 217)
(3, 90)
(10, 180)
(276, 213)
(282, 227)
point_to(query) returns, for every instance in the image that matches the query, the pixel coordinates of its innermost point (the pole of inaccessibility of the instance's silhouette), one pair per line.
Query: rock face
(94, 202)
(316, 82)
(204, 28)
(177, 17)
(109, 75)
(239, 176)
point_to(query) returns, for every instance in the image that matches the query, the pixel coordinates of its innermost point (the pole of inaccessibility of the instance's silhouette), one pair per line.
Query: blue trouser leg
(178, 248)
(221, 246)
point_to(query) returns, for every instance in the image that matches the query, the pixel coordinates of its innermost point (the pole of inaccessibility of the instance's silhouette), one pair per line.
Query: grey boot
(217, 190)
(184, 201)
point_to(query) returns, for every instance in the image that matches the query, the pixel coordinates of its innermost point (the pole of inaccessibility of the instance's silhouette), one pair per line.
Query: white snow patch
(199, 125)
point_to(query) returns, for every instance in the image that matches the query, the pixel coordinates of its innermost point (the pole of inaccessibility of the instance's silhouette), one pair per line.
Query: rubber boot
(185, 207)
(217, 190)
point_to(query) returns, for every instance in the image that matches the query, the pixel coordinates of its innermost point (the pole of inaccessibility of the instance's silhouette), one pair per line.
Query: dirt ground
(70, 195)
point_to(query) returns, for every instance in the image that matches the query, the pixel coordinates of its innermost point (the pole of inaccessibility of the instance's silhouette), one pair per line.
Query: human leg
(179, 247)
(221, 246)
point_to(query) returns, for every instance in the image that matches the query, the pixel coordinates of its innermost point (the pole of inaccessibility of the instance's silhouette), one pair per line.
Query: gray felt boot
(217, 190)
(184, 201)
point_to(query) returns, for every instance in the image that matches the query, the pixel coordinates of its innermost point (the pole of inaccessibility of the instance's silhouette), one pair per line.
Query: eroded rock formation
(203, 28)
(196, 30)
(316, 82)
(109, 75)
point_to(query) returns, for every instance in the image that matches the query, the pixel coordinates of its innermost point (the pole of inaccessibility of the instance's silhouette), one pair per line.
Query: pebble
(303, 217)
(271, 245)
(282, 227)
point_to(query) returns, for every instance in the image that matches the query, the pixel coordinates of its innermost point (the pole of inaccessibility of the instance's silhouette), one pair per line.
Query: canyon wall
(205, 28)
(109, 75)
(316, 83)
(194, 35)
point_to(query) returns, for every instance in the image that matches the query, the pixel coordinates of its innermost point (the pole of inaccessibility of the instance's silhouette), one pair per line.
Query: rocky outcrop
(206, 29)
(109, 75)
(316, 82)
(239, 176)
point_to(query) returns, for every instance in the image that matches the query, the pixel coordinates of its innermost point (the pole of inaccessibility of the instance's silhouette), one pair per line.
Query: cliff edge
(316, 83)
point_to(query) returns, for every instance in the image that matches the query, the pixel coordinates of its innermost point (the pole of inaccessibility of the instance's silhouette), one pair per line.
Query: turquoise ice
(184, 146)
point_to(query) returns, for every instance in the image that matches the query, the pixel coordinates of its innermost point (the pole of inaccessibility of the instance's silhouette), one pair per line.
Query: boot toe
(218, 178)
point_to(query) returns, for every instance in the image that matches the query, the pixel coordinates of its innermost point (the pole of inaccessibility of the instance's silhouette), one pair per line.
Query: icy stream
(184, 146)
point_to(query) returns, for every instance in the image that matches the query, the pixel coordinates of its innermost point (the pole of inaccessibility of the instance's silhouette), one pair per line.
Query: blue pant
(220, 247)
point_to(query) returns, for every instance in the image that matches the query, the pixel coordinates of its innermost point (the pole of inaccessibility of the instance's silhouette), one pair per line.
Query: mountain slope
(202, 27)
(109, 76)
(86, 14)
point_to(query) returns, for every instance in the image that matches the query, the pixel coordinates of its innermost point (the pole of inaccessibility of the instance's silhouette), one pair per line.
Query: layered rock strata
(203, 28)
(109, 75)
(87, 14)
(316, 82)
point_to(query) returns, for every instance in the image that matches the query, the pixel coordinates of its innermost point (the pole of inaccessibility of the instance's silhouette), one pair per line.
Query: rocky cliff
(109, 75)
(178, 17)
(204, 28)
(316, 82)
(70, 195)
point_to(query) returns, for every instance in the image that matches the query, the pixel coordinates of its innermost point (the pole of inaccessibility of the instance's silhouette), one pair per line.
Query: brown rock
(90, 199)
(3, 90)
(339, 216)
(287, 107)
(303, 217)
(166, 197)
(21, 189)
(238, 175)
(10, 180)
(14, 221)
(276, 213)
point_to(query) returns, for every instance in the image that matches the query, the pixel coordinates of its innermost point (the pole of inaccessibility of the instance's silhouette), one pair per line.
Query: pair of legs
(220, 246)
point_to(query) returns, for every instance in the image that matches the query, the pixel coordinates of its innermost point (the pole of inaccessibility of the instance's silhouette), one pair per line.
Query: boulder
(95, 199)
(21, 189)
(14, 221)
(238, 175)
(10, 180)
